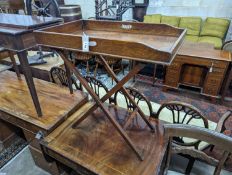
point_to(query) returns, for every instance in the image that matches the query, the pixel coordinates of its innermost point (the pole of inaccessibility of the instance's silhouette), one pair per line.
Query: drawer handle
(211, 68)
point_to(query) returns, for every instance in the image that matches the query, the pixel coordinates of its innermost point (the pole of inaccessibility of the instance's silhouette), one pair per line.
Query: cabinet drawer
(201, 61)
(211, 91)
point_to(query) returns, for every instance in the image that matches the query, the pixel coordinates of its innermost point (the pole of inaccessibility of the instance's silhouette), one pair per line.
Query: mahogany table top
(57, 102)
(203, 50)
(17, 24)
(96, 147)
(136, 41)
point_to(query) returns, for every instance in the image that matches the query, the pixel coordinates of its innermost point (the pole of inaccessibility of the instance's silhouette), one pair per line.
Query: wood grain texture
(206, 68)
(16, 105)
(95, 147)
(144, 42)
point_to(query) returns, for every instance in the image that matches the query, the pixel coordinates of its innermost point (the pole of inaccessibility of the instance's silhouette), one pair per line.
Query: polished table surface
(94, 146)
(15, 101)
(203, 50)
(16, 35)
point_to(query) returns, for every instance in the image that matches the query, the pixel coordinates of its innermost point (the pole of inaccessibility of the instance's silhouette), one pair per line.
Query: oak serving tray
(155, 43)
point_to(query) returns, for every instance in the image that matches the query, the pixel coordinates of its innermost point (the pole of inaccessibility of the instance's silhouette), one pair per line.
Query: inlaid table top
(95, 147)
(16, 102)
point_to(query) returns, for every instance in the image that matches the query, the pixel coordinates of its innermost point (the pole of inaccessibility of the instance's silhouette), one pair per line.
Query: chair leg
(16, 68)
(122, 67)
(133, 65)
(190, 166)
(154, 74)
(112, 67)
(87, 68)
(95, 71)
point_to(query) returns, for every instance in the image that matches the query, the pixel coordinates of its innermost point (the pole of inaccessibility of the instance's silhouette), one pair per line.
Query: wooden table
(16, 34)
(95, 147)
(41, 71)
(16, 108)
(155, 43)
(198, 65)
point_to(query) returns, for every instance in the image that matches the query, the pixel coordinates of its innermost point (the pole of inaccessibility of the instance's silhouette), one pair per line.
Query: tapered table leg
(30, 83)
(12, 58)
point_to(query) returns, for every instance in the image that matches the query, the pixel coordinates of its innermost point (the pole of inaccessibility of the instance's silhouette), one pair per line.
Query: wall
(88, 8)
(203, 8)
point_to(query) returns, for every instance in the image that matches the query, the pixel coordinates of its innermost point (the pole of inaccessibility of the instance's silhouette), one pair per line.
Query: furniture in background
(115, 64)
(228, 47)
(59, 76)
(16, 34)
(212, 30)
(200, 66)
(11, 6)
(98, 87)
(173, 131)
(122, 101)
(4, 54)
(41, 71)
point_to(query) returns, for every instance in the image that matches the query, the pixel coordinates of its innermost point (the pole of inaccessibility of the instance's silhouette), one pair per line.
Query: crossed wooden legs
(99, 102)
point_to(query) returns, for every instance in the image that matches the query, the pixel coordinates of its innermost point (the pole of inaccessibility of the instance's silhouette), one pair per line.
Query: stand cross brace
(100, 104)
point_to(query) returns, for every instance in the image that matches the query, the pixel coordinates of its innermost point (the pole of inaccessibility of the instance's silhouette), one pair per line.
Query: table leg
(12, 58)
(30, 83)
(68, 73)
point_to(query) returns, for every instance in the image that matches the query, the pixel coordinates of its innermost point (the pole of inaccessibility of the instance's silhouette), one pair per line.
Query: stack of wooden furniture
(65, 130)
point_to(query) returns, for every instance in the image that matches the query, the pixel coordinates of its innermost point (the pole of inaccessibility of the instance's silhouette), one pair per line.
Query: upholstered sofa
(211, 30)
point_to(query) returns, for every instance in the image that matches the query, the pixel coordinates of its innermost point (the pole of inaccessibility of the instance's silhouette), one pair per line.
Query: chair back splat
(220, 140)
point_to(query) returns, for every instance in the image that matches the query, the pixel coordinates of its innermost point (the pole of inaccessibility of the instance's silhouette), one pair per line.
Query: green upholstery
(212, 40)
(156, 18)
(213, 30)
(216, 27)
(171, 20)
(191, 38)
(192, 24)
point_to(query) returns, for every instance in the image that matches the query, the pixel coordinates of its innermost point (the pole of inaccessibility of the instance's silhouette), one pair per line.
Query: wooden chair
(121, 100)
(84, 57)
(173, 131)
(59, 77)
(112, 61)
(99, 88)
(189, 116)
(228, 47)
(12, 58)
(221, 126)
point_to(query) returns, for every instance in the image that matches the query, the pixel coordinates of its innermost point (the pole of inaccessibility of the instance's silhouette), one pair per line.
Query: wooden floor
(97, 147)
(56, 102)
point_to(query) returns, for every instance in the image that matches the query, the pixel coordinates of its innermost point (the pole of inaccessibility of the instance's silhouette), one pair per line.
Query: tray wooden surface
(137, 41)
(16, 105)
(95, 147)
